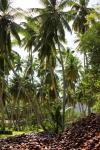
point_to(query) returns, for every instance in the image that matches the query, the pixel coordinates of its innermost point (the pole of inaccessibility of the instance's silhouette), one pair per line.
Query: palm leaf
(15, 28)
(83, 2)
(66, 25)
(53, 2)
(37, 18)
(65, 3)
(5, 4)
(75, 7)
(44, 2)
(35, 10)
(45, 25)
(59, 26)
(1, 73)
(1, 7)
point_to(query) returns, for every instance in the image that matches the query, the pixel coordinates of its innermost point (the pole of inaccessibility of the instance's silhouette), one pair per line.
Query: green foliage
(54, 119)
(90, 43)
(1, 73)
(96, 107)
(94, 16)
(14, 133)
(80, 12)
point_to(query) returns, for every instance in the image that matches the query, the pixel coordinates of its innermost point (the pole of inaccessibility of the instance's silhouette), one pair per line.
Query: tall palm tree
(80, 11)
(28, 42)
(15, 92)
(79, 25)
(73, 69)
(7, 28)
(54, 20)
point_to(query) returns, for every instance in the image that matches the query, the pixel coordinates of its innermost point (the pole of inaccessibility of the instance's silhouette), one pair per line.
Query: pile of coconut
(83, 135)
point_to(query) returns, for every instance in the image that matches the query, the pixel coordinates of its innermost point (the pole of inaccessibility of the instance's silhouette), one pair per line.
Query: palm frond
(65, 3)
(49, 32)
(17, 13)
(43, 16)
(67, 15)
(83, 2)
(37, 46)
(45, 24)
(75, 7)
(53, 2)
(59, 25)
(66, 25)
(15, 28)
(35, 10)
(44, 2)
(5, 4)
(1, 7)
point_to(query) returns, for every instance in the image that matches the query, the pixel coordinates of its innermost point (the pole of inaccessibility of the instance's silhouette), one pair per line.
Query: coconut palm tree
(48, 57)
(80, 12)
(54, 20)
(72, 75)
(8, 27)
(72, 70)
(29, 41)
(80, 25)
(15, 92)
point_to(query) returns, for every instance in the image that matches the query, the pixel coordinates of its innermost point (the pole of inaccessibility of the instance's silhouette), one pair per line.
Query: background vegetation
(51, 88)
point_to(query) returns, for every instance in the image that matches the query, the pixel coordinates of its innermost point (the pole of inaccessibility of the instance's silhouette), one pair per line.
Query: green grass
(18, 133)
(14, 133)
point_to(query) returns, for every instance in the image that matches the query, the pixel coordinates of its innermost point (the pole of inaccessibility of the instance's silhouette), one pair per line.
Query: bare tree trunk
(18, 114)
(1, 104)
(64, 87)
(88, 103)
(9, 104)
(14, 104)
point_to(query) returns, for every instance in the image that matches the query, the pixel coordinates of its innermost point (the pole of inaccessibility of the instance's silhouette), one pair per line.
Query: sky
(35, 3)
(24, 4)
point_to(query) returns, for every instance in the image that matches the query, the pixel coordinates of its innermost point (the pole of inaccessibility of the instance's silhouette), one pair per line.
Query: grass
(14, 133)
(18, 133)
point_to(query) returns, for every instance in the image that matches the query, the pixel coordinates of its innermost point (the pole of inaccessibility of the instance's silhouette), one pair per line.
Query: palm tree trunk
(1, 104)
(31, 64)
(18, 114)
(8, 104)
(88, 103)
(31, 58)
(73, 105)
(13, 106)
(64, 87)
